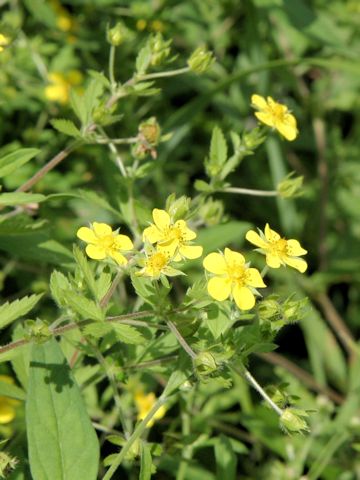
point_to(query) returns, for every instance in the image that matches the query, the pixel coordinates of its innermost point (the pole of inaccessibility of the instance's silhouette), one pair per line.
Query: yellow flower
(233, 277)
(4, 42)
(144, 403)
(103, 242)
(275, 115)
(172, 237)
(59, 88)
(157, 263)
(278, 251)
(7, 405)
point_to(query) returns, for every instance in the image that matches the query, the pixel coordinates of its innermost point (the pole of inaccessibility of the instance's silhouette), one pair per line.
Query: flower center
(174, 233)
(279, 247)
(157, 262)
(278, 111)
(237, 273)
(107, 242)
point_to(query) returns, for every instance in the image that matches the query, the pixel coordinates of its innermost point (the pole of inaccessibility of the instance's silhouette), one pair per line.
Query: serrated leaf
(103, 284)
(10, 312)
(78, 105)
(143, 60)
(127, 334)
(144, 288)
(98, 329)
(87, 309)
(85, 268)
(217, 321)
(225, 459)
(218, 147)
(20, 198)
(92, 93)
(100, 77)
(145, 462)
(66, 126)
(14, 160)
(61, 439)
(59, 284)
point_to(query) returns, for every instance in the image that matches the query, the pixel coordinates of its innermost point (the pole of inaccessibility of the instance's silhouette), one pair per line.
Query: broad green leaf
(20, 198)
(179, 376)
(61, 439)
(85, 268)
(14, 160)
(42, 11)
(103, 284)
(10, 390)
(86, 308)
(225, 459)
(66, 126)
(217, 320)
(145, 462)
(78, 104)
(92, 93)
(98, 329)
(143, 60)
(16, 309)
(127, 334)
(144, 288)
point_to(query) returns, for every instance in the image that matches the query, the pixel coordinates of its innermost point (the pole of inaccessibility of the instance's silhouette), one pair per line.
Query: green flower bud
(160, 49)
(212, 212)
(268, 309)
(37, 331)
(277, 396)
(7, 463)
(205, 364)
(200, 60)
(251, 140)
(116, 35)
(290, 186)
(177, 207)
(150, 131)
(291, 420)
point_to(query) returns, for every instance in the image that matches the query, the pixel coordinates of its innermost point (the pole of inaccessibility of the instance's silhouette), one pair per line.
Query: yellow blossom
(275, 115)
(144, 403)
(172, 237)
(59, 86)
(4, 42)
(233, 277)
(278, 251)
(103, 242)
(157, 263)
(7, 404)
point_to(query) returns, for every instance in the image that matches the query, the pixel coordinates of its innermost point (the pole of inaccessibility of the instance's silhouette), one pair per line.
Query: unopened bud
(205, 364)
(268, 309)
(160, 49)
(290, 186)
(291, 420)
(150, 130)
(116, 35)
(212, 212)
(177, 207)
(200, 60)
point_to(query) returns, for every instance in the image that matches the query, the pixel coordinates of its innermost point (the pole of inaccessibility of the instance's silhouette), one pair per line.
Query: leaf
(66, 126)
(143, 60)
(218, 321)
(14, 160)
(61, 439)
(145, 462)
(78, 105)
(58, 286)
(97, 330)
(225, 459)
(20, 198)
(144, 288)
(18, 308)
(85, 269)
(86, 308)
(218, 147)
(12, 391)
(127, 334)
(92, 93)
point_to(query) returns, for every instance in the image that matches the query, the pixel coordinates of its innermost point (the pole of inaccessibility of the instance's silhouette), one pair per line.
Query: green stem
(117, 141)
(248, 191)
(181, 339)
(246, 374)
(112, 67)
(170, 73)
(135, 436)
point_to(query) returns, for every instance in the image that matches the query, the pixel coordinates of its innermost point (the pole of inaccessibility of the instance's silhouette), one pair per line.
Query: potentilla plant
(130, 321)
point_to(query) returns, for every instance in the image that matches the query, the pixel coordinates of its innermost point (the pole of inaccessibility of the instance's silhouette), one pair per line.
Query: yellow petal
(233, 257)
(151, 234)
(219, 288)
(161, 218)
(215, 263)
(253, 278)
(101, 229)
(297, 263)
(287, 128)
(270, 234)
(7, 411)
(123, 242)
(120, 259)
(273, 261)
(86, 234)
(258, 102)
(186, 232)
(255, 239)
(95, 252)
(191, 251)
(244, 298)
(294, 249)
(266, 118)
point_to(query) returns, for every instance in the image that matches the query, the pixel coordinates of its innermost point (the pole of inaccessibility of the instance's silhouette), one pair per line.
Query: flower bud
(268, 309)
(205, 364)
(7, 463)
(291, 420)
(116, 35)
(160, 49)
(212, 212)
(200, 60)
(150, 131)
(290, 186)
(177, 207)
